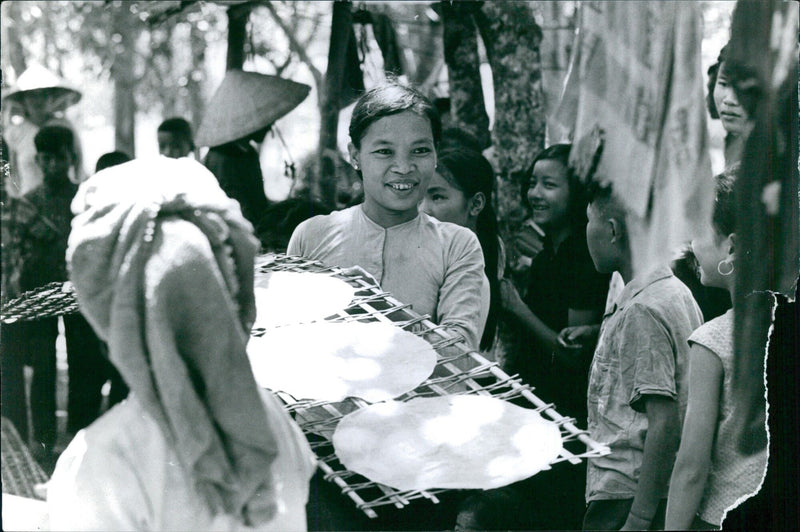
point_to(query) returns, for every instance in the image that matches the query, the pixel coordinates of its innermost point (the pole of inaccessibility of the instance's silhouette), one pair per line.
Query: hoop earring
(719, 267)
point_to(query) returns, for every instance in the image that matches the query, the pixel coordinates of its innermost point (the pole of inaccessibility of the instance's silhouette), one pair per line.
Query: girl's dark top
(237, 168)
(558, 281)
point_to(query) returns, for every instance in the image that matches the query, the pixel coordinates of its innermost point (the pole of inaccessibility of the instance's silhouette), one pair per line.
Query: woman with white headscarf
(163, 263)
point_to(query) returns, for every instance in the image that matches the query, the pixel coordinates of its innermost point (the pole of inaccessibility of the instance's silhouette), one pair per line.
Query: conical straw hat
(37, 79)
(246, 102)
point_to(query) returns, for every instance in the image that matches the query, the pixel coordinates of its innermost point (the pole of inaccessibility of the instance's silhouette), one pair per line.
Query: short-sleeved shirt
(559, 280)
(642, 351)
(733, 476)
(437, 267)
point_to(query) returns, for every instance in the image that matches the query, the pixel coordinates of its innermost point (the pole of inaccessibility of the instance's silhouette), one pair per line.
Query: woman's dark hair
(578, 194)
(723, 217)
(390, 99)
(713, 73)
(470, 172)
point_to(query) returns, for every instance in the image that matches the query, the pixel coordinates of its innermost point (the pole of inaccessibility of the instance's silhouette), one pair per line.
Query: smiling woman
(397, 159)
(434, 266)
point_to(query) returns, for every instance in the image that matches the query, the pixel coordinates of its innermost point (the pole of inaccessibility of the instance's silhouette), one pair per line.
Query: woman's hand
(358, 271)
(575, 345)
(509, 297)
(578, 336)
(528, 242)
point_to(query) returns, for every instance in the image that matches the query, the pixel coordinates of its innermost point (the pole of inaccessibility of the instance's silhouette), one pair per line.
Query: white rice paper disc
(450, 442)
(284, 298)
(333, 360)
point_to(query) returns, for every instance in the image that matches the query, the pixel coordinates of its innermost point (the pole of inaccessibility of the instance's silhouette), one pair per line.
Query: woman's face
(445, 202)
(397, 159)
(710, 248)
(548, 194)
(731, 113)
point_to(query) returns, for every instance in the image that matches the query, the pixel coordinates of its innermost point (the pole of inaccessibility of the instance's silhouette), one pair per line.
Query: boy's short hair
(723, 217)
(603, 199)
(112, 158)
(179, 126)
(51, 139)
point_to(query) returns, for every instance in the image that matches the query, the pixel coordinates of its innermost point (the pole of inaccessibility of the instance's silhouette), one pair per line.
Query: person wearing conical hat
(235, 123)
(39, 98)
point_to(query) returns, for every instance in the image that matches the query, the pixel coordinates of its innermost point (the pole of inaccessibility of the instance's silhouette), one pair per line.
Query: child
(636, 385)
(112, 158)
(42, 226)
(563, 288)
(460, 192)
(175, 138)
(564, 293)
(436, 267)
(710, 475)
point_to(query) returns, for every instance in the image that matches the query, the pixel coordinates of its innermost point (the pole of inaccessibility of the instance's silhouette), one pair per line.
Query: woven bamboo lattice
(20, 471)
(47, 301)
(458, 371)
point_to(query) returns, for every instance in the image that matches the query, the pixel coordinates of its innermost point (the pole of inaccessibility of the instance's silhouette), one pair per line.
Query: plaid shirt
(35, 231)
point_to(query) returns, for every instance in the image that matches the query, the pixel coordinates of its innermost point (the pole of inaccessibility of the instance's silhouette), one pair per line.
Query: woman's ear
(476, 204)
(614, 229)
(353, 151)
(731, 245)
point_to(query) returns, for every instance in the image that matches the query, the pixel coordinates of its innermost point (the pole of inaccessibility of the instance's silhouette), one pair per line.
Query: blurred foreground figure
(163, 262)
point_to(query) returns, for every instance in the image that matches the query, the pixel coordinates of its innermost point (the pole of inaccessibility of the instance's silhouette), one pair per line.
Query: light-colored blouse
(437, 267)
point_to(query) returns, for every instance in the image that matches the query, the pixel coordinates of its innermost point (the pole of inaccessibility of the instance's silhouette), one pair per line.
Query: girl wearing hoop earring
(710, 476)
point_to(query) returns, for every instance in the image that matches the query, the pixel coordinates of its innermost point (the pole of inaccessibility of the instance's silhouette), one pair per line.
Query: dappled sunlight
(284, 298)
(457, 442)
(332, 360)
(359, 369)
(462, 422)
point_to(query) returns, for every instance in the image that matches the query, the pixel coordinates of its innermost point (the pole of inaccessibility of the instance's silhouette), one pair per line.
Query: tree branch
(295, 45)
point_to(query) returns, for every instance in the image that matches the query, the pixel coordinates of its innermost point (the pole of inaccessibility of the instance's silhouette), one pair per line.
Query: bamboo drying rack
(458, 370)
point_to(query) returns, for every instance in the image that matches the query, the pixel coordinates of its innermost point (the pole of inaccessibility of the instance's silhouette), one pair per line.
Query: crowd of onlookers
(643, 359)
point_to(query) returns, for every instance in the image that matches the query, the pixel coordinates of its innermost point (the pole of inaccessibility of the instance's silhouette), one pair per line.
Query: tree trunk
(512, 40)
(467, 108)
(197, 75)
(325, 187)
(13, 52)
(237, 34)
(122, 72)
